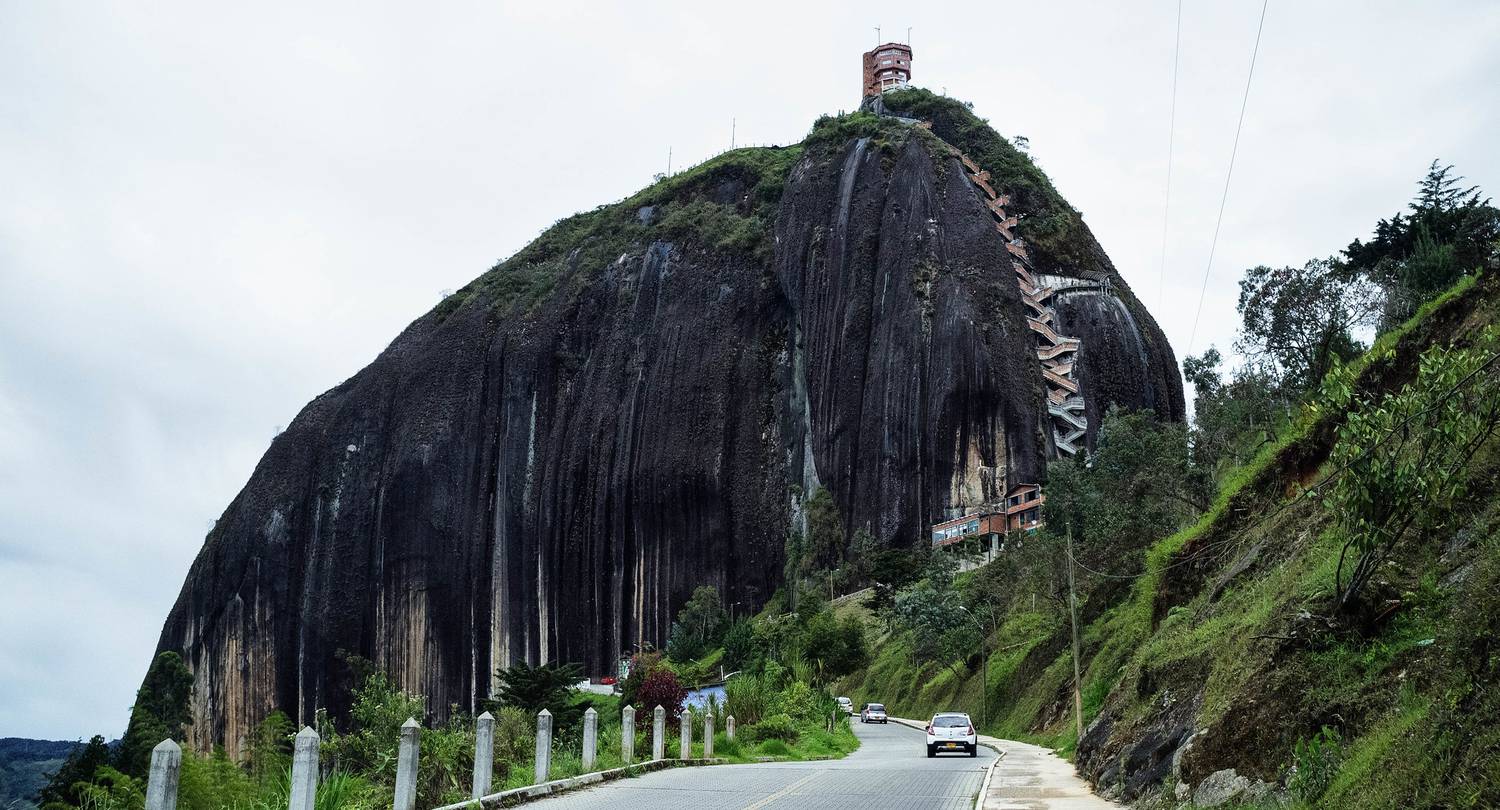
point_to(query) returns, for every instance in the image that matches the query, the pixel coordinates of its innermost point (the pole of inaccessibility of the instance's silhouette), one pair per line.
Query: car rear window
(950, 721)
(877, 707)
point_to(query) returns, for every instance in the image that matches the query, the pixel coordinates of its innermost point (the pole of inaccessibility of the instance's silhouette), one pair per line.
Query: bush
(1314, 762)
(661, 688)
(641, 665)
(796, 700)
(725, 747)
(745, 698)
(776, 727)
(515, 739)
(775, 748)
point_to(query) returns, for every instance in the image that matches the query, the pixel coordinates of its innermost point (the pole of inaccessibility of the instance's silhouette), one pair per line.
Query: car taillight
(971, 728)
(929, 728)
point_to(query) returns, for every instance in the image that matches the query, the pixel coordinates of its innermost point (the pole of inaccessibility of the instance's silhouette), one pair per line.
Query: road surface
(890, 771)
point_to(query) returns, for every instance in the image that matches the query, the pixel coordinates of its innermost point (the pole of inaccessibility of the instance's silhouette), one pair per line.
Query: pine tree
(162, 711)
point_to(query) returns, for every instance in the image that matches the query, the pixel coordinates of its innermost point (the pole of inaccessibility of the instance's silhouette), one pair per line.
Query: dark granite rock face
(551, 482)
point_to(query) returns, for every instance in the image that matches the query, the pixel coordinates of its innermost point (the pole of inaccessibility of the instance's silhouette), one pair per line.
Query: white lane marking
(786, 791)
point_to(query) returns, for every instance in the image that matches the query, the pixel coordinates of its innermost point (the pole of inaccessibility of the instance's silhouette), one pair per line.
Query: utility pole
(669, 161)
(732, 123)
(984, 670)
(1073, 610)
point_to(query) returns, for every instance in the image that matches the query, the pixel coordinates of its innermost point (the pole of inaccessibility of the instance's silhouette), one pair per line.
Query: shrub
(776, 727)
(661, 688)
(370, 746)
(775, 748)
(725, 747)
(641, 665)
(745, 698)
(1314, 762)
(797, 700)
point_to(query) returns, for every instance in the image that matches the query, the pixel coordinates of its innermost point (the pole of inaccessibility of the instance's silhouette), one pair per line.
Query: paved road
(890, 771)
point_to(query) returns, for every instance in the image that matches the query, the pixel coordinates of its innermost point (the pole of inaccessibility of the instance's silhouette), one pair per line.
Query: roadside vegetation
(780, 700)
(1308, 573)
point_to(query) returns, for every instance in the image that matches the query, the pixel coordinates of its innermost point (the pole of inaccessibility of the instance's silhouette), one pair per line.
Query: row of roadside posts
(166, 758)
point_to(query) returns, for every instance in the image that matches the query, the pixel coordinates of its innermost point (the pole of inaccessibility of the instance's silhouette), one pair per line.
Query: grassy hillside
(1231, 628)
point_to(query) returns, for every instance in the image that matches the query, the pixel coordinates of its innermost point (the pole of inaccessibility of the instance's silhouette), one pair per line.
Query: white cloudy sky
(211, 212)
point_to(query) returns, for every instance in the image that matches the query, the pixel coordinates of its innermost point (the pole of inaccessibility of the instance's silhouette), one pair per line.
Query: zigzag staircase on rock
(1055, 352)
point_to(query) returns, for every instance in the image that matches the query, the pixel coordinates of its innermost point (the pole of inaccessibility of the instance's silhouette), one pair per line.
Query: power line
(1213, 246)
(1166, 206)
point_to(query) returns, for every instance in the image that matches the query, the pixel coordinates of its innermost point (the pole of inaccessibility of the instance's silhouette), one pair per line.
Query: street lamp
(984, 671)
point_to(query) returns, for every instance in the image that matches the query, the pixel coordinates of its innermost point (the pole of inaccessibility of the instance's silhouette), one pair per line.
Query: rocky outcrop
(545, 467)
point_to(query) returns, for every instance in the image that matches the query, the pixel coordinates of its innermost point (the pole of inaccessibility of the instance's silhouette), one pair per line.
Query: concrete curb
(984, 787)
(521, 795)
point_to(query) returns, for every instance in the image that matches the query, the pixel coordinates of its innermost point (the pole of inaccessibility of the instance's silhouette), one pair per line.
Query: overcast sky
(213, 212)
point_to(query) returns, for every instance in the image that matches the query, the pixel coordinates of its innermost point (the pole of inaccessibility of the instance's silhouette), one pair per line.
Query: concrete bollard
(166, 766)
(304, 770)
(590, 738)
(685, 724)
(659, 734)
(484, 755)
(543, 746)
(406, 765)
(729, 727)
(627, 734)
(708, 735)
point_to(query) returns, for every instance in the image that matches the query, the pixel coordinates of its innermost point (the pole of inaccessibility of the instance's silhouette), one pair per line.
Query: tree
(835, 647)
(1403, 460)
(271, 745)
(927, 614)
(162, 711)
(1139, 485)
(534, 688)
(1449, 231)
(1231, 418)
(741, 648)
(1301, 320)
(80, 766)
(825, 533)
(699, 627)
(892, 569)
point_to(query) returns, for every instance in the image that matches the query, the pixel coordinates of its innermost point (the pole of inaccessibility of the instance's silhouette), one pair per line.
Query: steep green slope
(1228, 651)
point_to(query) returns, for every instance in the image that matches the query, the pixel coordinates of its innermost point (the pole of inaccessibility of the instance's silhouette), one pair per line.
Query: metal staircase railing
(1056, 353)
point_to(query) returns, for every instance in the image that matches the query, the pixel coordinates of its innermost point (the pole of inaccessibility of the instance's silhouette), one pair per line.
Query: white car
(873, 713)
(951, 731)
(845, 704)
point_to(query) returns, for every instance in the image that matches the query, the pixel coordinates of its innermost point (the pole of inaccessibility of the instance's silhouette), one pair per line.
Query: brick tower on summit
(887, 67)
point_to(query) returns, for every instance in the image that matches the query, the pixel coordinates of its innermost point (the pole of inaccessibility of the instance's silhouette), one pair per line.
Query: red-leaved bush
(661, 688)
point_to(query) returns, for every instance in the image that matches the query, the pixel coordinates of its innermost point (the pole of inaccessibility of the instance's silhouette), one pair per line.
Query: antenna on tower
(877, 35)
(908, 35)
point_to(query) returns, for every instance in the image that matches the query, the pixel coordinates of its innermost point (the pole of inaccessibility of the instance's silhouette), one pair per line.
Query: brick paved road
(890, 771)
